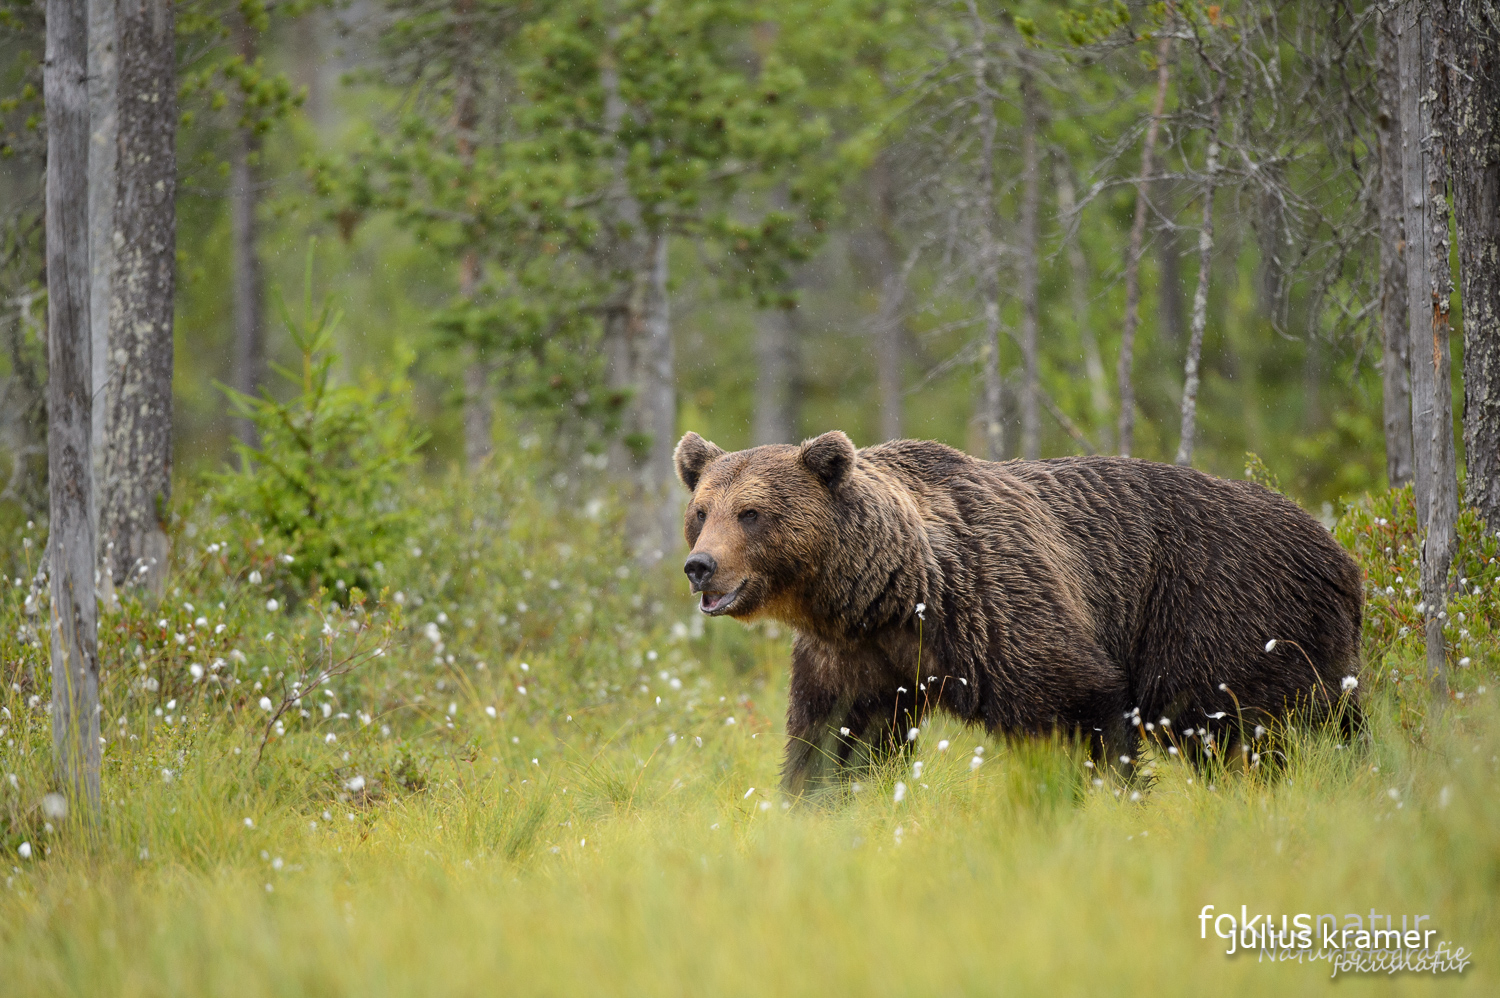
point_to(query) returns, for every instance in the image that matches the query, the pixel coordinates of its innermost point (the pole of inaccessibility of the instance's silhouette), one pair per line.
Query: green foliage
(323, 479)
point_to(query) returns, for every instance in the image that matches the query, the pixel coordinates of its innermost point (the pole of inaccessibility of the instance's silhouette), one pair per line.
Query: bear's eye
(749, 516)
(702, 516)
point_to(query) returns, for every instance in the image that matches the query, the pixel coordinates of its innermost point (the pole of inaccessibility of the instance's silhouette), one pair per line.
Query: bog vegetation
(520, 758)
(361, 334)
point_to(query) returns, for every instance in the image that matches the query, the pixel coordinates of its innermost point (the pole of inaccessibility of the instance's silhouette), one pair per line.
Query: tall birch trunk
(1078, 291)
(479, 402)
(75, 667)
(991, 410)
(139, 426)
(1126, 374)
(1474, 33)
(1189, 426)
(890, 327)
(622, 311)
(659, 404)
(103, 65)
(1396, 355)
(1030, 252)
(249, 372)
(1428, 283)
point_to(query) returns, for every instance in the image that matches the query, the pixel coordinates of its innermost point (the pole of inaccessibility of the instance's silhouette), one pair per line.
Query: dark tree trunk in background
(1394, 332)
(138, 434)
(103, 67)
(75, 666)
(1474, 89)
(776, 378)
(1133, 254)
(1428, 288)
(249, 283)
(1189, 426)
(1078, 290)
(1169, 250)
(1030, 251)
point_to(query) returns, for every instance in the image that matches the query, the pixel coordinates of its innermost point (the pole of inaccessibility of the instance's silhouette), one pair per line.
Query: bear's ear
(829, 456)
(692, 455)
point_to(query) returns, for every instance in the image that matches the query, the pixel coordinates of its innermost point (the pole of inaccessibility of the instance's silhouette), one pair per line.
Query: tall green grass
(592, 839)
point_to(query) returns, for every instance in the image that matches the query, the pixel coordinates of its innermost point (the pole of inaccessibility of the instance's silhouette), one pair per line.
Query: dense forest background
(861, 179)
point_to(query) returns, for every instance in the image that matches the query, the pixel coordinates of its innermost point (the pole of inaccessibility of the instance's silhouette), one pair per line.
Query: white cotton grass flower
(921, 611)
(976, 762)
(943, 745)
(911, 734)
(55, 806)
(490, 711)
(265, 703)
(354, 784)
(249, 822)
(844, 732)
(1463, 663)
(900, 794)
(24, 850)
(272, 605)
(916, 770)
(1270, 646)
(1349, 683)
(196, 671)
(254, 578)
(330, 738)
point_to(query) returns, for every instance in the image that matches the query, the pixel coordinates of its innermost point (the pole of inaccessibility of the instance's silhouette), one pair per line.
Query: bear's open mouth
(716, 603)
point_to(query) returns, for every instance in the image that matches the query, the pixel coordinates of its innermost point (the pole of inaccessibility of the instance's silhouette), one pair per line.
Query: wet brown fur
(1061, 594)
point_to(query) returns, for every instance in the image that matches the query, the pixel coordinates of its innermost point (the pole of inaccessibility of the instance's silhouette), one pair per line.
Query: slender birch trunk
(75, 667)
(659, 403)
(991, 412)
(1078, 290)
(479, 402)
(103, 64)
(1428, 282)
(1396, 355)
(1474, 82)
(249, 373)
(139, 426)
(1133, 253)
(1189, 426)
(1030, 252)
(889, 329)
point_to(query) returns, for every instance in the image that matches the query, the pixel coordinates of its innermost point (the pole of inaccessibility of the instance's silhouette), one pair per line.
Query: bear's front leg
(815, 748)
(831, 727)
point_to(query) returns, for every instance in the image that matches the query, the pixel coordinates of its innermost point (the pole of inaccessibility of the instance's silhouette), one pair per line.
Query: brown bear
(1100, 596)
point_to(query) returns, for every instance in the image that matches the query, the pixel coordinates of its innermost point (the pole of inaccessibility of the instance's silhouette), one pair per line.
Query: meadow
(522, 763)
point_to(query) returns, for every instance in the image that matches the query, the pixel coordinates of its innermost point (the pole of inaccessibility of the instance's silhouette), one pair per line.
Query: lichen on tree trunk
(1428, 287)
(1473, 31)
(138, 431)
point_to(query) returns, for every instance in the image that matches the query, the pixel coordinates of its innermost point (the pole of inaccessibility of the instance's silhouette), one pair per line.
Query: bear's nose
(700, 568)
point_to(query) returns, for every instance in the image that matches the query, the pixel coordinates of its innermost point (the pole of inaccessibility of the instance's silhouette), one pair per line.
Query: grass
(645, 850)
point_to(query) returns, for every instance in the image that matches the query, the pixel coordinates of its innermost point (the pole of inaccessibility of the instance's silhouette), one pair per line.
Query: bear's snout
(700, 567)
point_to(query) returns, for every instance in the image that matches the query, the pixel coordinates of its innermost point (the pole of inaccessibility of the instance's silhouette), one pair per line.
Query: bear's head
(760, 520)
